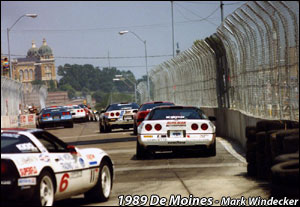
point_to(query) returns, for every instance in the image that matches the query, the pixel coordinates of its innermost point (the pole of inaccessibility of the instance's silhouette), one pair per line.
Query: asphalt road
(166, 175)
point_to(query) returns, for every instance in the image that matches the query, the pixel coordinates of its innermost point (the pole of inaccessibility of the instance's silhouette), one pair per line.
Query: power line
(70, 57)
(202, 19)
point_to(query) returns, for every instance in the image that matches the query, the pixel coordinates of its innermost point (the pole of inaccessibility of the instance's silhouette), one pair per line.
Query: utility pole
(172, 29)
(108, 60)
(222, 14)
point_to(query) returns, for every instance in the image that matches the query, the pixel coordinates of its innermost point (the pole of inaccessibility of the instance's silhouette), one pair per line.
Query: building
(39, 64)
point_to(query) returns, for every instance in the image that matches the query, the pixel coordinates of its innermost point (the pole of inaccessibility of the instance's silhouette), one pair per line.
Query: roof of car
(174, 107)
(156, 102)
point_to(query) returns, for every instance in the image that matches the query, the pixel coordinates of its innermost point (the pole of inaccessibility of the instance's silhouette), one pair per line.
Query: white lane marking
(122, 169)
(229, 149)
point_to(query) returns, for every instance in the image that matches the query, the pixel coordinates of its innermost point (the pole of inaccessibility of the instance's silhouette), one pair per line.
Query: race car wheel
(212, 149)
(102, 190)
(134, 129)
(101, 128)
(44, 192)
(141, 152)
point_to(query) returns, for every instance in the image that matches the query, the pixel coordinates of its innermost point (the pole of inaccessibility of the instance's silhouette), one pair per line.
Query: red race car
(144, 110)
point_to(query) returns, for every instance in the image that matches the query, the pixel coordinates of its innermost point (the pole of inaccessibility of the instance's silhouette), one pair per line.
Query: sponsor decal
(176, 123)
(178, 142)
(81, 161)
(27, 147)
(64, 182)
(148, 136)
(28, 171)
(26, 181)
(175, 117)
(67, 166)
(93, 163)
(44, 158)
(5, 182)
(76, 174)
(26, 160)
(90, 156)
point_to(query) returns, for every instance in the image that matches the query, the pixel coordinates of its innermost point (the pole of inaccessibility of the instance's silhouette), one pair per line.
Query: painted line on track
(229, 149)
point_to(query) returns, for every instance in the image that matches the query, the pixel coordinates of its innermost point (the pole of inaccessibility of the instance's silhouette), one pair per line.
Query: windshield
(114, 107)
(15, 143)
(146, 107)
(176, 113)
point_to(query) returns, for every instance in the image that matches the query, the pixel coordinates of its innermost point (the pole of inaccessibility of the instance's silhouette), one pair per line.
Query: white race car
(77, 112)
(176, 127)
(117, 116)
(38, 167)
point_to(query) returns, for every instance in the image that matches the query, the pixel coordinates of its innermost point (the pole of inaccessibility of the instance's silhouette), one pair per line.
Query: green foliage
(38, 82)
(90, 80)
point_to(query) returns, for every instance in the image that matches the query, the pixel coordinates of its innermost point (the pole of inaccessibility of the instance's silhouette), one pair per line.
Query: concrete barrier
(18, 121)
(232, 123)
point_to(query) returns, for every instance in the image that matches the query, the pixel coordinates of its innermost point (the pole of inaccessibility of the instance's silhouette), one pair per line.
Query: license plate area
(176, 133)
(55, 117)
(127, 117)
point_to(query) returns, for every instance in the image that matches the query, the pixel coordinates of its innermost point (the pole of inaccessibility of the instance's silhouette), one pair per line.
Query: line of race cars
(162, 126)
(38, 167)
(65, 116)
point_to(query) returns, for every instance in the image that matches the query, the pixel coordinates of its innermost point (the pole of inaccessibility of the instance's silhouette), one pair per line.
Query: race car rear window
(145, 107)
(176, 113)
(15, 143)
(114, 107)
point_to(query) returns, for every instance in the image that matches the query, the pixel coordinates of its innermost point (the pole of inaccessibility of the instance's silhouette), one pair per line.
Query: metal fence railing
(142, 92)
(11, 97)
(260, 71)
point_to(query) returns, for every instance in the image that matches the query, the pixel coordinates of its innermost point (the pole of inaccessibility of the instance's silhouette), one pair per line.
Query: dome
(33, 51)
(45, 50)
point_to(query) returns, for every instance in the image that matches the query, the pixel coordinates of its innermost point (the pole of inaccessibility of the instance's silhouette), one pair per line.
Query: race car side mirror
(72, 149)
(212, 118)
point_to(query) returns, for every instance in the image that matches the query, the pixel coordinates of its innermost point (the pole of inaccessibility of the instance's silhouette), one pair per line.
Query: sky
(87, 32)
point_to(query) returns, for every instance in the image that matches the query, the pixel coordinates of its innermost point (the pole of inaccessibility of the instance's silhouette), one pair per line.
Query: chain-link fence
(142, 92)
(11, 97)
(260, 71)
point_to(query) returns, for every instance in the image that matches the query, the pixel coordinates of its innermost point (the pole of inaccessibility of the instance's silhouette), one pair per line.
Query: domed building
(39, 64)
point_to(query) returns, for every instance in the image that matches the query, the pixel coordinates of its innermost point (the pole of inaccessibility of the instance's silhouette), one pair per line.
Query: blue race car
(53, 117)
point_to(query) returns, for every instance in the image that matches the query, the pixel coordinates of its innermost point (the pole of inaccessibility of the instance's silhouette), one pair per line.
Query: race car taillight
(157, 127)
(80, 110)
(148, 127)
(204, 126)
(117, 114)
(3, 168)
(65, 113)
(195, 126)
(112, 114)
(44, 115)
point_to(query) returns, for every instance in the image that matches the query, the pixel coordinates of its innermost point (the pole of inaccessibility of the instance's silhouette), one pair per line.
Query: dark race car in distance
(144, 110)
(53, 117)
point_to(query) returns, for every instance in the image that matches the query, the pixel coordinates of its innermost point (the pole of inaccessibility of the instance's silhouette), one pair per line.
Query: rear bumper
(57, 123)
(184, 142)
(15, 193)
(121, 123)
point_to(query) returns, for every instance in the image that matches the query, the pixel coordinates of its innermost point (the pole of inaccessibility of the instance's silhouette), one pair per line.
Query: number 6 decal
(64, 182)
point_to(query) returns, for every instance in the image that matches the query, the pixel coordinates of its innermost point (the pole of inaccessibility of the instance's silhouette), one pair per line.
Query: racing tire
(70, 125)
(101, 128)
(211, 151)
(291, 144)
(102, 190)
(286, 157)
(286, 173)
(251, 133)
(141, 152)
(134, 129)
(44, 191)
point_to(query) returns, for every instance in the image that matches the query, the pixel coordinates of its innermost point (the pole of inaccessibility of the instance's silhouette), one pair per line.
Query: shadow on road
(103, 141)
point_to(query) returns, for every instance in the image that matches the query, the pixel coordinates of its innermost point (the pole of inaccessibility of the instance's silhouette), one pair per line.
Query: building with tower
(39, 64)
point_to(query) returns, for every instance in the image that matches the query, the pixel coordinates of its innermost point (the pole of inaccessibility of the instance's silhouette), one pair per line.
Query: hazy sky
(89, 29)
